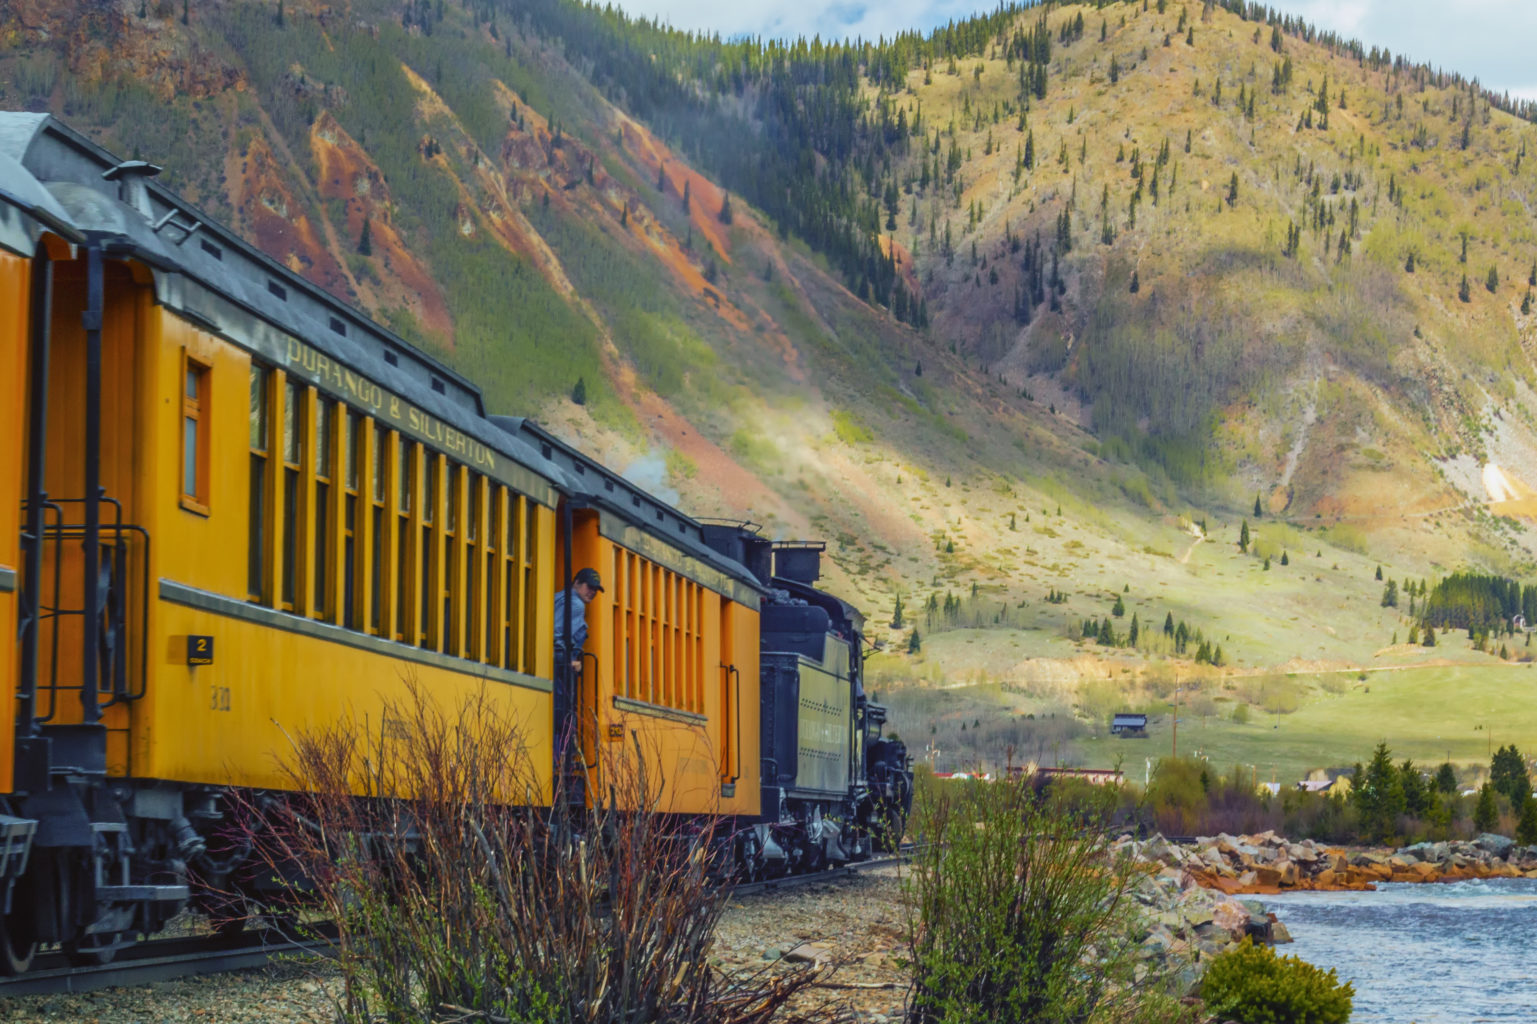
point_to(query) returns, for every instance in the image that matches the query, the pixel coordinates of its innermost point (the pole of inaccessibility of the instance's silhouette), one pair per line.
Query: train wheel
(15, 955)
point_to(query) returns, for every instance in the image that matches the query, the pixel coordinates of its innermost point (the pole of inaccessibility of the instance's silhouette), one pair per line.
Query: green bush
(1021, 914)
(1250, 983)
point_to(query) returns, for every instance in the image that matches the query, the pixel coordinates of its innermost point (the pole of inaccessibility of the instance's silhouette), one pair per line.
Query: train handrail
(736, 702)
(113, 535)
(581, 678)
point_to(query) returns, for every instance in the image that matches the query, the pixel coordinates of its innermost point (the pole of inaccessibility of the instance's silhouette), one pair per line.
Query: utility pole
(1174, 736)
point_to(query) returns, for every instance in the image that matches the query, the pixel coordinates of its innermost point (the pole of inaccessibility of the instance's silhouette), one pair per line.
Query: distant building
(1094, 776)
(1127, 724)
(1326, 783)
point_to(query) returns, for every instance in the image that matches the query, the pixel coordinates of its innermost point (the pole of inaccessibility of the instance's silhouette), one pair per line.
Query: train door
(578, 691)
(88, 600)
(17, 274)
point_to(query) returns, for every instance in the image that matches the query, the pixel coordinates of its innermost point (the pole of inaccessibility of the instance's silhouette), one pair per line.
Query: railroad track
(161, 960)
(830, 875)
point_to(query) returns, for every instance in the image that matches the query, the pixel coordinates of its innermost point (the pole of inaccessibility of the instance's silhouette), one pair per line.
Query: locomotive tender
(233, 509)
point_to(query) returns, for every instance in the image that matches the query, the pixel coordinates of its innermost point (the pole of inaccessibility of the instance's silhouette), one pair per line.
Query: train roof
(27, 209)
(215, 279)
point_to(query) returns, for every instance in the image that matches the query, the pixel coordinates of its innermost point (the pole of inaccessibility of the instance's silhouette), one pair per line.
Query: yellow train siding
(302, 655)
(234, 722)
(663, 649)
(15, 300)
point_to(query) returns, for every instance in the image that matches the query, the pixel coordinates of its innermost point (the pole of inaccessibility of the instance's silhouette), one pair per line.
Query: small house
(1126, 724)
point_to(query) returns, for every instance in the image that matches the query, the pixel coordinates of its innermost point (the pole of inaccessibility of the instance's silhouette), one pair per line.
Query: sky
(1490, 40)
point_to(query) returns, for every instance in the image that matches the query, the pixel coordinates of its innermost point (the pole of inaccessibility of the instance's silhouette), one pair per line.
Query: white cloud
(1484, 39)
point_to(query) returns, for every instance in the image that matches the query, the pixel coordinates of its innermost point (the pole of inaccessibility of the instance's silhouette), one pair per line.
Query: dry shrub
(463, 892)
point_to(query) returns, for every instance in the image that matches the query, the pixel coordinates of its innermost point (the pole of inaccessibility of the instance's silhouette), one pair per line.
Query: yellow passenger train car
(235, 510)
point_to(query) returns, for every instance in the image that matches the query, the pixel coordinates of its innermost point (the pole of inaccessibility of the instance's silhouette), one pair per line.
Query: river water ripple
(1459, 953)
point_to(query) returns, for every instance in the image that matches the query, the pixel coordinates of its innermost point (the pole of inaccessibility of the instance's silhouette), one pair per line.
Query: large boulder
(1494, 845)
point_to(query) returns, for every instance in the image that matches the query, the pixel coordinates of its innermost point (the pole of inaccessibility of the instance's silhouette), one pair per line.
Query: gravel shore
(858, 920)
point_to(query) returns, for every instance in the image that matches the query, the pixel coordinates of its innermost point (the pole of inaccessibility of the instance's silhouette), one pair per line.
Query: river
(1457, 953)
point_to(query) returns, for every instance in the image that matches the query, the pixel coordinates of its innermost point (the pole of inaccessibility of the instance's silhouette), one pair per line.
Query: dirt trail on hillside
(1195, 531)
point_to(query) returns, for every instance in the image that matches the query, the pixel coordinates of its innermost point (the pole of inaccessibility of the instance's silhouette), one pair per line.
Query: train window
(391, 358)
(404, 471)
(256, 511)
(428, 627)
(377, 465)
(352, 452)
(429, 487)
(453, 598)
(337, 327)
(322, 515)
(381, 449)
(439, 386)
(277, 290)
(293, 427)
(292, 424)
(194, 438)
(403, 474)
(211, 249)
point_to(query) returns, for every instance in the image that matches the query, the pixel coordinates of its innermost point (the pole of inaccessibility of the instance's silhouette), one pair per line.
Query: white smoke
(649, 473)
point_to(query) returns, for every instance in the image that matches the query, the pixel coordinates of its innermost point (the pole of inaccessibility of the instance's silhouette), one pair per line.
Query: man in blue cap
(584, 587)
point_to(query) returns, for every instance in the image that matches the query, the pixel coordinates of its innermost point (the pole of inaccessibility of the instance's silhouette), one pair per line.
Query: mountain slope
(884, 294)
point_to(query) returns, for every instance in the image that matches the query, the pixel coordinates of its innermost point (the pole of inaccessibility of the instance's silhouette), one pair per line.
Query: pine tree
(1486, 813)
(896, 616)
(1284, 559)
(1526, 827)
(914, 644)
(579, 391)
(1243, 537)
(365, 243)
(1507, 773)
(1446, 778)
(1120, 607)
(661, 177)
(1429, 639)
(685, 195)
(1379, 796)
(1257, 511)
(1133, 631)
(1418, 796)
(1168, 624)
(1463, 292)
(1492, 281)
(725, 210)
(1379, 574)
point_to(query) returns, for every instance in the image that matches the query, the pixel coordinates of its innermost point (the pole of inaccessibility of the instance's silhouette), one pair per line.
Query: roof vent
(132, 177)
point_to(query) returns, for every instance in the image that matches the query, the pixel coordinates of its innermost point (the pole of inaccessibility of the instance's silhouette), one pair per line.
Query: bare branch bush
(466, 888)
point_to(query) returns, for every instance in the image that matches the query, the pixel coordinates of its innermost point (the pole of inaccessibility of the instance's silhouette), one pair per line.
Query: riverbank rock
(1266, 863)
